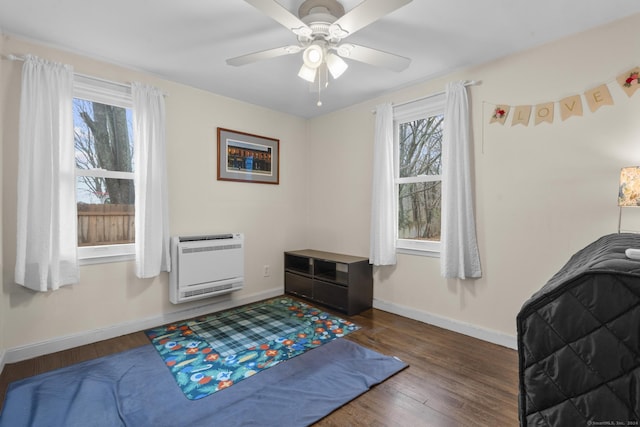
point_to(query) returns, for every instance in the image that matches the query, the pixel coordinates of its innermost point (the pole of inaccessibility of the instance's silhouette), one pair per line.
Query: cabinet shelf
(298, 264)
(342, 282)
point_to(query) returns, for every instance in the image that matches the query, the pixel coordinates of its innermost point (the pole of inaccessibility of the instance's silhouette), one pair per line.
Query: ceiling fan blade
(281, 15)
(374, 57)
(262, 55)
(365, 13)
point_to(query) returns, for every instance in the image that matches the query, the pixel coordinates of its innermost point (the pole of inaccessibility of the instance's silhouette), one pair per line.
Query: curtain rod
(13, 57)
(466, 83)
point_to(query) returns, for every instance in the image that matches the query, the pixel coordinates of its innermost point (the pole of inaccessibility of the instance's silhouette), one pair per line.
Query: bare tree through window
(420, 167)
(104, 163)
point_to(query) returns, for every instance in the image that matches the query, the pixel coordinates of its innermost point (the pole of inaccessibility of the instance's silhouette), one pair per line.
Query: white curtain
(459, 256)
(383, 198)
(152, 207)
(46, 255)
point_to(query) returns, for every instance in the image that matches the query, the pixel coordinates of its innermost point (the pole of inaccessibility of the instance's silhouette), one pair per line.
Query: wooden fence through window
(105, 224)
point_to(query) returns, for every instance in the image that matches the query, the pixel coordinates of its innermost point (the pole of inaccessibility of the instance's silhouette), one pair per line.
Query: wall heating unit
(205, 266)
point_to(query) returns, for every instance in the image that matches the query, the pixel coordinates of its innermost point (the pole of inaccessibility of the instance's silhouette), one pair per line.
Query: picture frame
(246, 157)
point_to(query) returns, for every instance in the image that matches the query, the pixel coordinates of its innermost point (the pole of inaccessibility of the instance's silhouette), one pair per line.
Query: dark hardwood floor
(452, 379)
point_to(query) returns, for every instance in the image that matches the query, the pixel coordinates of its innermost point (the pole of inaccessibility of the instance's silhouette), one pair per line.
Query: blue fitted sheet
(135, 389)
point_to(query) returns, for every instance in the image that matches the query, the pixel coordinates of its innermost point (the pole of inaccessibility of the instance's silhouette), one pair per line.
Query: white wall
(542, 192)
(271, 216)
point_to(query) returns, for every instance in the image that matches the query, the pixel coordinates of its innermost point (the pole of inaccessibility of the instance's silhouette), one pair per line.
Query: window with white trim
(418, 130)
(104, 153)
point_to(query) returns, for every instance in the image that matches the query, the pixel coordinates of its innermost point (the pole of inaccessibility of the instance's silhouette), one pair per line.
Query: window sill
(428, 248)
(106, 254)
(416, 252)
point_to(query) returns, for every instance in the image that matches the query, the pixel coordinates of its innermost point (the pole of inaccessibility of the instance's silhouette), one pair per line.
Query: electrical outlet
(266, 271)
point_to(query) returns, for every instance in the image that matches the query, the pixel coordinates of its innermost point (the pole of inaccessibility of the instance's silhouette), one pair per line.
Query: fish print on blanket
(200, 370)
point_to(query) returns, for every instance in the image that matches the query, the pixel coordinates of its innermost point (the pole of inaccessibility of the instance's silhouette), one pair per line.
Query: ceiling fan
(320, 27)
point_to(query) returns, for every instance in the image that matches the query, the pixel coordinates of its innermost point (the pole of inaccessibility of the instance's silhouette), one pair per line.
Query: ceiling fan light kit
(336, 65)
(313, 56)
(308, 74)
(319, 28)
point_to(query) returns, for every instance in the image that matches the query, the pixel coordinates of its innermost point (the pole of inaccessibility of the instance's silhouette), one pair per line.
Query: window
(418, 174)
(104, 149)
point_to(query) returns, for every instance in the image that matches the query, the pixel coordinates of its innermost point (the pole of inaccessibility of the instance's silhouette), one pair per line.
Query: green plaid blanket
(211, 353)
(234, 331)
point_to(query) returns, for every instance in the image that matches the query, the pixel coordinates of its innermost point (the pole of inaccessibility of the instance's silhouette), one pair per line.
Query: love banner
(568, 107)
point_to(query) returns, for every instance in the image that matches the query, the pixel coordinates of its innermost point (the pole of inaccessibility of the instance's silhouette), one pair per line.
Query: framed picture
(246, 157)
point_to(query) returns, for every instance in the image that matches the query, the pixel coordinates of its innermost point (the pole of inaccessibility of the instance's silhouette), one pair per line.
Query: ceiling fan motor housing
(319, 15)
(332, 7)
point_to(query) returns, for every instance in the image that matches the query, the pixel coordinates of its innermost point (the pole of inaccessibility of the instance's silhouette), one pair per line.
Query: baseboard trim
(488, 335)
(53, 345)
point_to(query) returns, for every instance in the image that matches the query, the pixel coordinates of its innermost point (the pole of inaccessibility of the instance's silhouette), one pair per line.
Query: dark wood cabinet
(342, 282)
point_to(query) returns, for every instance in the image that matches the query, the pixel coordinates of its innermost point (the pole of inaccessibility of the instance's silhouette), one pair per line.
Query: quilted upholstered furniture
(579, 341)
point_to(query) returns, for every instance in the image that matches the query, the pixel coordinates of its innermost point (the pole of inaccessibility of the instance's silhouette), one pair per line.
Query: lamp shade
(336, 65)
(629, 190)
(308, 74)
(313, 56)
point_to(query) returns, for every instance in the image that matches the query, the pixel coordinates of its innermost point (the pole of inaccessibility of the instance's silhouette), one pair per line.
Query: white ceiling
(188, 41)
